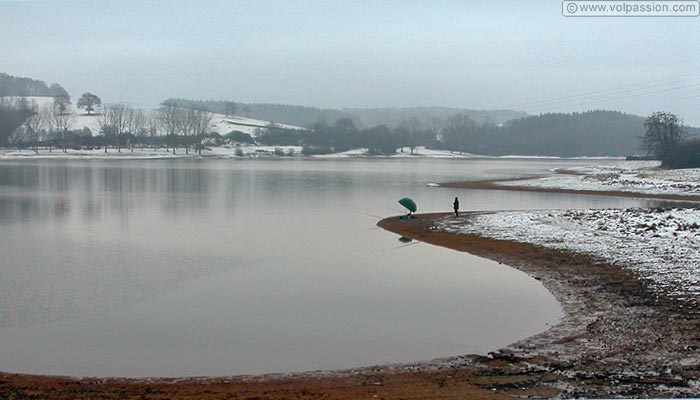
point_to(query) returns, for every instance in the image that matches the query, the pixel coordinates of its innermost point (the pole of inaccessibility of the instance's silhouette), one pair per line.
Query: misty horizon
(509, 55)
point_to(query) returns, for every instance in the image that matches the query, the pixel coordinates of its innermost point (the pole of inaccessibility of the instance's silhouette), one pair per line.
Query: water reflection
(39, 191)
(275, 265)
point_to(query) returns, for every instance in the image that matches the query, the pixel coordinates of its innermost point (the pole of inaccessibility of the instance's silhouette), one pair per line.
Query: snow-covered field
(226, 151)
(401, 153)
(662, 245)
(623, 176)
(148, 153)
(220, 123)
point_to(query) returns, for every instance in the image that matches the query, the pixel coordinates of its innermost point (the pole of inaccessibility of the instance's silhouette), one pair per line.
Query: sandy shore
(617, 338)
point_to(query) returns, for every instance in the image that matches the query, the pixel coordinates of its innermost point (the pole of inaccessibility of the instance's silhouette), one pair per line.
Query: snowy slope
(223, 125)
(220, 123)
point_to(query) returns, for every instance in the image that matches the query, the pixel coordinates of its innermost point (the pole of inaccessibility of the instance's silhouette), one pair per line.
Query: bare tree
(458, 131)
(188, 121)
(231, 108)
(114, 122)
(412, 126)
(50, 128)
(435, 124)
(34, 125)
(202, 125)
(17, 137)
(136, 125)
(61, 120)
(106, 128)
(61, 104)
(152, 126)
(169, 117)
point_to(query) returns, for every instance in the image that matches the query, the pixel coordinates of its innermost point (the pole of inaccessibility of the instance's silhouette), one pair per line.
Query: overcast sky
(473, 54)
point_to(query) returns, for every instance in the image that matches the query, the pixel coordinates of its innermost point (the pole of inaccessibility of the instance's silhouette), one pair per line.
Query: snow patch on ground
(662, 245)
(222, 125)
(405, 152)
(628, 176)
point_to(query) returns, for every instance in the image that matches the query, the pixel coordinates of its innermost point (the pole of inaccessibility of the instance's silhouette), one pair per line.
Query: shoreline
(616, 339)
(493, 185)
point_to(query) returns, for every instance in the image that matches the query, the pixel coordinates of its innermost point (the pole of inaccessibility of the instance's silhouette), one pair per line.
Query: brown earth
(617, 339)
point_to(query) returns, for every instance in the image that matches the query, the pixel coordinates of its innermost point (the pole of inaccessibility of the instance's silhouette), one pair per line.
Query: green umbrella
(409, 204)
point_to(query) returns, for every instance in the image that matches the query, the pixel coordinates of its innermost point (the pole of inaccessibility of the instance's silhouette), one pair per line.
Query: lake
(219, 267)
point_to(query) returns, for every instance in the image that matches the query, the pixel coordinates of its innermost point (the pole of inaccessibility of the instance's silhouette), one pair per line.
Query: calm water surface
(219, 267)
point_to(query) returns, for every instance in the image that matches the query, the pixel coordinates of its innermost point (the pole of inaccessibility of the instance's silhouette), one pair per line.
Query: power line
(605, 92)
(573, 103)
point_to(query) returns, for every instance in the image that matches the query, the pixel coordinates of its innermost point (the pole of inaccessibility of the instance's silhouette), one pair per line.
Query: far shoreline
(493, 185)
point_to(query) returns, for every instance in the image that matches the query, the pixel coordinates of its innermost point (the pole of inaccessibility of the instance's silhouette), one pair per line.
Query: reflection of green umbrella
(409, 204)
(404, 239)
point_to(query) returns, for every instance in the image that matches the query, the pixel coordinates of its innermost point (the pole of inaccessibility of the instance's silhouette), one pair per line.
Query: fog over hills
(502, 55)
(382, 130)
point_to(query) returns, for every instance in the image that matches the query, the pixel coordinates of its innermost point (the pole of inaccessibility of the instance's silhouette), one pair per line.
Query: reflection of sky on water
(273, 263)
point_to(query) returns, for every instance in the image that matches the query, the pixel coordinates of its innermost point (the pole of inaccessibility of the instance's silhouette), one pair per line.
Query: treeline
(362, 117)
(498, 132)
(301, 116)
(392, 116)
(19, 86)
(120, 126)
(593, 133)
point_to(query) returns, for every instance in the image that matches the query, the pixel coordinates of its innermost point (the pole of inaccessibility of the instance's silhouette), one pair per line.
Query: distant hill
(301, 116)
(394, 116)
(364, 117)
(14, 111)
(20, 86)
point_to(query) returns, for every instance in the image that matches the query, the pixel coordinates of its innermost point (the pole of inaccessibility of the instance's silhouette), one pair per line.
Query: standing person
(455, 205)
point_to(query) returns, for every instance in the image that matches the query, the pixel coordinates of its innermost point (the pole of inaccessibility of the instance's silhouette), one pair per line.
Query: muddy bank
(494, 185)
(618, 338)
